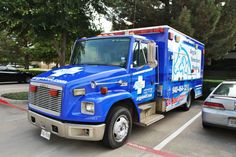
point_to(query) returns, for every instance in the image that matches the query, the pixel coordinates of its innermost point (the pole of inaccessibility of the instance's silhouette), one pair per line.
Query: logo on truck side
(66, 71)
(139, 85)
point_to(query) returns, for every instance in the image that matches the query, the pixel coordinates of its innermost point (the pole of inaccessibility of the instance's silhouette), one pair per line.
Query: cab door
(142, 75)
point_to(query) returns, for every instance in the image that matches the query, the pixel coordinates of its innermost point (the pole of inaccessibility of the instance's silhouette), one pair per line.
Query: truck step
(145, 107)
(151, 119)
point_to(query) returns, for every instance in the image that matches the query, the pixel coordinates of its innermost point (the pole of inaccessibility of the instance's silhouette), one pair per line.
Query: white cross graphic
(66, 71)
(139, 85)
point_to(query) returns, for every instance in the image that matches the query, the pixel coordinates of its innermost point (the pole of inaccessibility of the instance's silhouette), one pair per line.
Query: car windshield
(226, 89)
(109, 51)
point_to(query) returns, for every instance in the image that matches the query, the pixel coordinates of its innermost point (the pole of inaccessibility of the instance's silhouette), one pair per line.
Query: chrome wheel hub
(121, 128)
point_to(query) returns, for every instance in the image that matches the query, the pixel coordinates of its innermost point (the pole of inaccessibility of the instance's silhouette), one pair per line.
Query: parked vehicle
(117, 79)
(10, 74)
(219, 109)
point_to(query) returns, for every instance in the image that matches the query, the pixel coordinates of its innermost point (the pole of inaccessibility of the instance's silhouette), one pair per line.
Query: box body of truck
(116, 79)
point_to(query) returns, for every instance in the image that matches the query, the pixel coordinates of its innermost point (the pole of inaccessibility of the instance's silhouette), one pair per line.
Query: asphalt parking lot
(178, 134)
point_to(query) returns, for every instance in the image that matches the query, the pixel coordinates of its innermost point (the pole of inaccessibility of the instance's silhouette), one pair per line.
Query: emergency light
(136, 31)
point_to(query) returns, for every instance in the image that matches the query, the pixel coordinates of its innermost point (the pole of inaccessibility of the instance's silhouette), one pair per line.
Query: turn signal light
(33, 88)
(213, 105)
(53, 92)
(103, 90)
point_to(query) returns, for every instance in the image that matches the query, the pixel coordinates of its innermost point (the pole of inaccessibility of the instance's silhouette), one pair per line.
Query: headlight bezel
(85, 107)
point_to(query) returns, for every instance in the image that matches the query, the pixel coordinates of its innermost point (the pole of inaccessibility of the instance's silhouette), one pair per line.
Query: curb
(16, 102)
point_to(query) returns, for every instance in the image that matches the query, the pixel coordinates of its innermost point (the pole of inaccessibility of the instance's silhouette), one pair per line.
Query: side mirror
(151, 56)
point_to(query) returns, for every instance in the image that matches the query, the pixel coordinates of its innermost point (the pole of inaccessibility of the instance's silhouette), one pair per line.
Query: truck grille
(43, 101)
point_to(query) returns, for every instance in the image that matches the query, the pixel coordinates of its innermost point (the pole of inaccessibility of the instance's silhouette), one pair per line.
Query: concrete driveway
(178, 134)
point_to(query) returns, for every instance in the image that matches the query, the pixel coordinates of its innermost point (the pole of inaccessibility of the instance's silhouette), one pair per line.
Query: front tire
(118, 127)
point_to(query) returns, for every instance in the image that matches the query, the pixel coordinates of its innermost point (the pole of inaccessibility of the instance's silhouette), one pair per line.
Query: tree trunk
(26, 57)
(60, 47)
(62, 56)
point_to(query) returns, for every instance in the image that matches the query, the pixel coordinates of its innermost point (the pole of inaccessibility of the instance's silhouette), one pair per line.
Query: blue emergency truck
(115, 80)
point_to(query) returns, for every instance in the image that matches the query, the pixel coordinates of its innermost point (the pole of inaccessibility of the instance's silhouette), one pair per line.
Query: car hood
(81, 73)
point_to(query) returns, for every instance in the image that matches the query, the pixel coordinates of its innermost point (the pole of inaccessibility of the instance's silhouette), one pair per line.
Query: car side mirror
(151, 56)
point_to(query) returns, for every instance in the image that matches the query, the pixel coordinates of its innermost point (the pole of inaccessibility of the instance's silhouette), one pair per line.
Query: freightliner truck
(115, 80)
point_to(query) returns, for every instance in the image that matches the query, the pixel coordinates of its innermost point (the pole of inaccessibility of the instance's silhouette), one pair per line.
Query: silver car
(219, 109)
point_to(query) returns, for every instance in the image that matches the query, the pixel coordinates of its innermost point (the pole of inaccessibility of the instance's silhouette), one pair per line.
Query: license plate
(232, 121)
(45, 134)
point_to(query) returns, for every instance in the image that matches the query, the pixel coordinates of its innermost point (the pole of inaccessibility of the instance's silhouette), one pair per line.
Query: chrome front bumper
(68, 130)
(218, 117)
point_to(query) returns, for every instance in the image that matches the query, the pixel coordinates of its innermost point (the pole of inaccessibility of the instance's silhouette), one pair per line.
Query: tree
(224, 38)
(58, 22)
(9, 51)
(206, 16)
(135, 13)
(209, 21)
(183, 22)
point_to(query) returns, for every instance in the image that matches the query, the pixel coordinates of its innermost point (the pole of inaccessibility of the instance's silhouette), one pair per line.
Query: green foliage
(45, 29)
(206, 16)
(34, 72)
(136, 12)
(210, 21)
(219, 75)
(16, 96)
(183, 22)
(44, 52)
(8, 49)
(56, 23)
(208, 85)
(224, 37)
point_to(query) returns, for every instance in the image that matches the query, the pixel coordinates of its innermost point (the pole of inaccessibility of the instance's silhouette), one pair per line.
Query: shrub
(16, 96)
(208, 85)
(34, 72)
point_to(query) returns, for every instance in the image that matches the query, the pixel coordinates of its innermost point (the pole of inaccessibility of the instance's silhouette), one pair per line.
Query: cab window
(139, 54)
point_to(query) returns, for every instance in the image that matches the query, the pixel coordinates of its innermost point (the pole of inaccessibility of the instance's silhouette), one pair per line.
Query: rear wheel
(118, 127)
(187, 105)
(205, 125)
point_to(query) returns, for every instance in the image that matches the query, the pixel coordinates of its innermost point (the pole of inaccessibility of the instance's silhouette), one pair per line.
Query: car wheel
(118, 127)
(187, 105)
(27, 80)
(205, 125)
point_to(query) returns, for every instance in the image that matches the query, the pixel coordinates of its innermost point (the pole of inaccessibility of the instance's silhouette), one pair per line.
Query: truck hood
(67, 74)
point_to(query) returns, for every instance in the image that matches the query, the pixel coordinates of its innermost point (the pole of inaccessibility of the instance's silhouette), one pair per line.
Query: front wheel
(27, 80)
(118, 127)
(187, 105)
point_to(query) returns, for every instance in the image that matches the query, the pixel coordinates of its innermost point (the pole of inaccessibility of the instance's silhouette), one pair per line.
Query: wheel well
(129, 104)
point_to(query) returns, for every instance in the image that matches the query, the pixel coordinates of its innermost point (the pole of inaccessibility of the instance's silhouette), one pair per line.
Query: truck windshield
(109, 51)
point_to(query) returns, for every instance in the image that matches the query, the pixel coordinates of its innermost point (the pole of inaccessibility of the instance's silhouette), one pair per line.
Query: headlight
(80, 91)
(88, 108)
